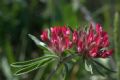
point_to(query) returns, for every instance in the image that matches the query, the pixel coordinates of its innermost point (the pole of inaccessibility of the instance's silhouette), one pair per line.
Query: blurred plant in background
(21, 17)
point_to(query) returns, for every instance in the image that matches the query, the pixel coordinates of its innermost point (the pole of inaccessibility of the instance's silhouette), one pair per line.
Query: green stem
(64, 60)
(68, 58)
(53, 72)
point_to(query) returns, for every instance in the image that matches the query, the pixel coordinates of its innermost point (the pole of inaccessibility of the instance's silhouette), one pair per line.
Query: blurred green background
(18, 18)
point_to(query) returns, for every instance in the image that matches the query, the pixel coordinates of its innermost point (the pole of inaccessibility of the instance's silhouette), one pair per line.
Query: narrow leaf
(98, 70)
(33, 61)
(40, 43)
(103, 66)
(26, 69)
(32, 67)
(37, 41)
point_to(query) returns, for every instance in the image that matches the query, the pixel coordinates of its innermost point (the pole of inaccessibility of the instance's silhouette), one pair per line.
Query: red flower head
(59, 38)
(92, 43)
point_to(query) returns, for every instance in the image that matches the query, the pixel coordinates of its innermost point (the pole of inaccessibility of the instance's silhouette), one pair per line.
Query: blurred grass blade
(23, 45)
(9, 51)
(117, 42)
(6, 69)
(116, 35)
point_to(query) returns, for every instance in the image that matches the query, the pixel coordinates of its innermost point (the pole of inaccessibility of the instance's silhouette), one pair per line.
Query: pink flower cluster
(90, 42)
(59, 38)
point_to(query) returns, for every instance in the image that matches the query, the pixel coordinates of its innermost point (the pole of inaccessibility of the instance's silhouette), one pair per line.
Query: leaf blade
(32, 67)
(30, 62)
(40, 43)
(103, 66)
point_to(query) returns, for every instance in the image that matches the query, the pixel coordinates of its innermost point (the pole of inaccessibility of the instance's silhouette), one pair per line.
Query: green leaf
(26, 69)
(32, 67)
(88, 67)
(98, 70)
(28, 66)
(24, 64)
(40, 43)
(37, 41)
(103, 66)
(33, 61)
